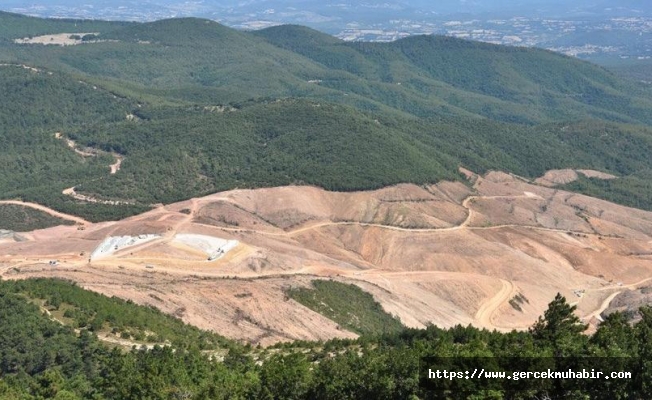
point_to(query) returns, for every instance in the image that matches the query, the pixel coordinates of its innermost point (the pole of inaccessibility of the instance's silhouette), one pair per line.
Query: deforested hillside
(208, 190)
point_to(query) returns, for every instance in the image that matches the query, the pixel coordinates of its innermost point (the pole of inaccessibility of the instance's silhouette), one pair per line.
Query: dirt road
(464, 225)
(364, 239)
(115, 167)
(603, 306)
(485, 314)
(46, 210)
(606, 302)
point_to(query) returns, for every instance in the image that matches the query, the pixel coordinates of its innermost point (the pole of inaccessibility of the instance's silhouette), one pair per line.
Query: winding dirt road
(485, 314)
(607, 302)
(464, 225)
(46, 210)
(488, 304)
(603, 306)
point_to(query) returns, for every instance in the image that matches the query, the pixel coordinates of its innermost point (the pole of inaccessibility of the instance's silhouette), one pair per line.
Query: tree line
(42, 359)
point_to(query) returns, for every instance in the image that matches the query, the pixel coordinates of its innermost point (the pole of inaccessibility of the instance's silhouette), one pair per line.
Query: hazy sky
(533, 8)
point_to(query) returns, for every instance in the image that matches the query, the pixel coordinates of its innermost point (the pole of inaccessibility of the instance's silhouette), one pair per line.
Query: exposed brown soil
(629, 301)
(445, 254)
(57, 39)
(558, 177)
(90, 199)
(115, 167)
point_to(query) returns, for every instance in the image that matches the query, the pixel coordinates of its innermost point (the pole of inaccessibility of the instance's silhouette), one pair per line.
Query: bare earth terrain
(557, 177)
(59, 39)
(445, 254)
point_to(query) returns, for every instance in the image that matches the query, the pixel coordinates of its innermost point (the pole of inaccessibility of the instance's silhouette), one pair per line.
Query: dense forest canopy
(193, 107)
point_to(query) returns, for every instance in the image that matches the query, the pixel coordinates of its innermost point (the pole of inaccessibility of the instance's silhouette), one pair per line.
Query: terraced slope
(491, 255)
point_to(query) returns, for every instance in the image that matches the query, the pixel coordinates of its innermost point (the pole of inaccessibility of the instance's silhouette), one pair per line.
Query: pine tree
(558, 324)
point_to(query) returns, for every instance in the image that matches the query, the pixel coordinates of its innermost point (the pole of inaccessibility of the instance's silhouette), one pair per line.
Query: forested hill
(192, 107)
(419, 75)
(506, 83)
(14, 26)
(49, 349)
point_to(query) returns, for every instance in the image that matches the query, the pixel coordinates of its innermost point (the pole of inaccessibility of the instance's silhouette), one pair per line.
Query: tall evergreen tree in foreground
(559, 326)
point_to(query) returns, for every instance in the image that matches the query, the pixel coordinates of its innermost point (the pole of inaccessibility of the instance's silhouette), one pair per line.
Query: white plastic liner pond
(114, 243)
(215, 248)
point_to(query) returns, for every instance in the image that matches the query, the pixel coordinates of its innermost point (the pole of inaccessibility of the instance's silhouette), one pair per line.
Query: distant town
(563, 36)
(616, 38)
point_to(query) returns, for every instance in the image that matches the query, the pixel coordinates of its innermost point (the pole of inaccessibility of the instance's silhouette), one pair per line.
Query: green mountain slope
(348, 305)
(36, 105)
(173, 154)
(24, 219)
(194, 107)
(36, 165)
(499, 82)
(187, 54)
(14, 26)
(200, 60)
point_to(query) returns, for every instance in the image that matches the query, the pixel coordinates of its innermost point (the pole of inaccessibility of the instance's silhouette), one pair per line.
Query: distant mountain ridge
(415, 75)
(197, 107)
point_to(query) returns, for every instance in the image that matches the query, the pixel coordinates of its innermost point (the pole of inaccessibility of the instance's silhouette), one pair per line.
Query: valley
(189, 211)
(192, 189)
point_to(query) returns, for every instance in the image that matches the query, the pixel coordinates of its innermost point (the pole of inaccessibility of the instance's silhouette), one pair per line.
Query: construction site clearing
(114, 243)
(492, 254)
(215, 248)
